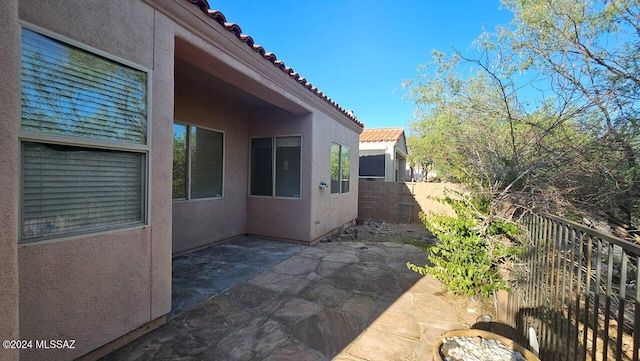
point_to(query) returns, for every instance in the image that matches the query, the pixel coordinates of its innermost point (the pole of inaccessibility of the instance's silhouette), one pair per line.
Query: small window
(340, 168)
(83, 141)
(197, 162)
(275, 166)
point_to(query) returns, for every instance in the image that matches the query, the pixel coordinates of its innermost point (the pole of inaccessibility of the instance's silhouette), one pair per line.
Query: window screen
(372, 165)
(206, 163)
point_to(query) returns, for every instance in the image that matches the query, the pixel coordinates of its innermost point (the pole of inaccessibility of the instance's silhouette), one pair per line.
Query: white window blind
(197, 162)
(67, 189)
(206, 163)
(69, 91)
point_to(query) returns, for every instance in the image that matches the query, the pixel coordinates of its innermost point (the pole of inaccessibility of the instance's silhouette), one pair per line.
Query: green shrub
(471, 247)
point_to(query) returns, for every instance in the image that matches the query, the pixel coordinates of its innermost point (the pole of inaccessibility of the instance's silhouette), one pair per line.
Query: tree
(546, 114)
(590, 48)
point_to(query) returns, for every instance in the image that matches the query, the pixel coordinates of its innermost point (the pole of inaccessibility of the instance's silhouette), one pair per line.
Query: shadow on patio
(276, 301)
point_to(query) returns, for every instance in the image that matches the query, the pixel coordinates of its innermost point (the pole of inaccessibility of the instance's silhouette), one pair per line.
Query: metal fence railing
(575, 294)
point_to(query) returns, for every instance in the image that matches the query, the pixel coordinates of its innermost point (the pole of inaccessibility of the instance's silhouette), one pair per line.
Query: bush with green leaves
(471, 247)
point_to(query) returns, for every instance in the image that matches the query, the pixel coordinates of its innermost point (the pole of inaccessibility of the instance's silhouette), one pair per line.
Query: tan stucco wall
(96, 288)
(276, 217)
(161, 165)
(291, 109)
(91, 290)
(201, 221)
(332, 210)
(9, 181)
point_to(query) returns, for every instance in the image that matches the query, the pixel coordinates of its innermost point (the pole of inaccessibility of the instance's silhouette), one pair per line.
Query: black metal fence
(575, 294)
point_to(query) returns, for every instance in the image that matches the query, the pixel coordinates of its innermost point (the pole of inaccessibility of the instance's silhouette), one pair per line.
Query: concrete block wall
(401, 202)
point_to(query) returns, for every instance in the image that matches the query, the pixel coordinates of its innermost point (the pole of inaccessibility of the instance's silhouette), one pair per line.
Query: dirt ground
(469, 309)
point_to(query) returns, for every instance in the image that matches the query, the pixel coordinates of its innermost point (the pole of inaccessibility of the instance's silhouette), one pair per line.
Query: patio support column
(9, 176)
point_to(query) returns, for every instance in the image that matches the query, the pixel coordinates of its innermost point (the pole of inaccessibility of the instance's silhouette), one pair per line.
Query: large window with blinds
(275, 166)
(197, 162)
(84, 146)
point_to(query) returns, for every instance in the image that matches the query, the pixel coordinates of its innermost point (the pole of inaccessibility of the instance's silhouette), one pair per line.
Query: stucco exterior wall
(202, 221)
(161, 164)
(9, 180)
(277, 217)
(290, 109)
(332, 210)
(97, 287)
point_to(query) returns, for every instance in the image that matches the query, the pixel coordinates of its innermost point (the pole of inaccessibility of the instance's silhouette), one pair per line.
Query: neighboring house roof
(381, 135)
(235, 29)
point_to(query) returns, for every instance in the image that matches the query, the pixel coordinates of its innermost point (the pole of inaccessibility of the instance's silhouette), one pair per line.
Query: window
(372, 165)
(83, 141)
(340, 168)
(197, 162)
(275, 166)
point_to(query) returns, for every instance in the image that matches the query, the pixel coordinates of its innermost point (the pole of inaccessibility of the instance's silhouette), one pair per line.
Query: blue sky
(359, 52)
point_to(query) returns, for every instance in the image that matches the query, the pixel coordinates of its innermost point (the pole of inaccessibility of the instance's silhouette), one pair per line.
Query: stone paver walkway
(345, 301)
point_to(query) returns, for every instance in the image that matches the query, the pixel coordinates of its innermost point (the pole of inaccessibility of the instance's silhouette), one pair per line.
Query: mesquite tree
(545, 114)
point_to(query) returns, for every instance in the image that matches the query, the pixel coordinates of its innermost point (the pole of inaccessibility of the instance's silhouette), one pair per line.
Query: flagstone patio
(265, 300)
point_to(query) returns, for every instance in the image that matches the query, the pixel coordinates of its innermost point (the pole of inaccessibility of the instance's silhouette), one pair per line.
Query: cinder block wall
(401, 202)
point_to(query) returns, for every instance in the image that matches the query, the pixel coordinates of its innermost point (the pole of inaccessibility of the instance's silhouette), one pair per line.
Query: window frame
(273, 166)
(77, 141)
(339, 192)
(188, 161)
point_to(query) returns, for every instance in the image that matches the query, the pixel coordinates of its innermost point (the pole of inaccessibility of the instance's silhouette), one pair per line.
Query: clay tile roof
(381, 135)
(237, 31)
